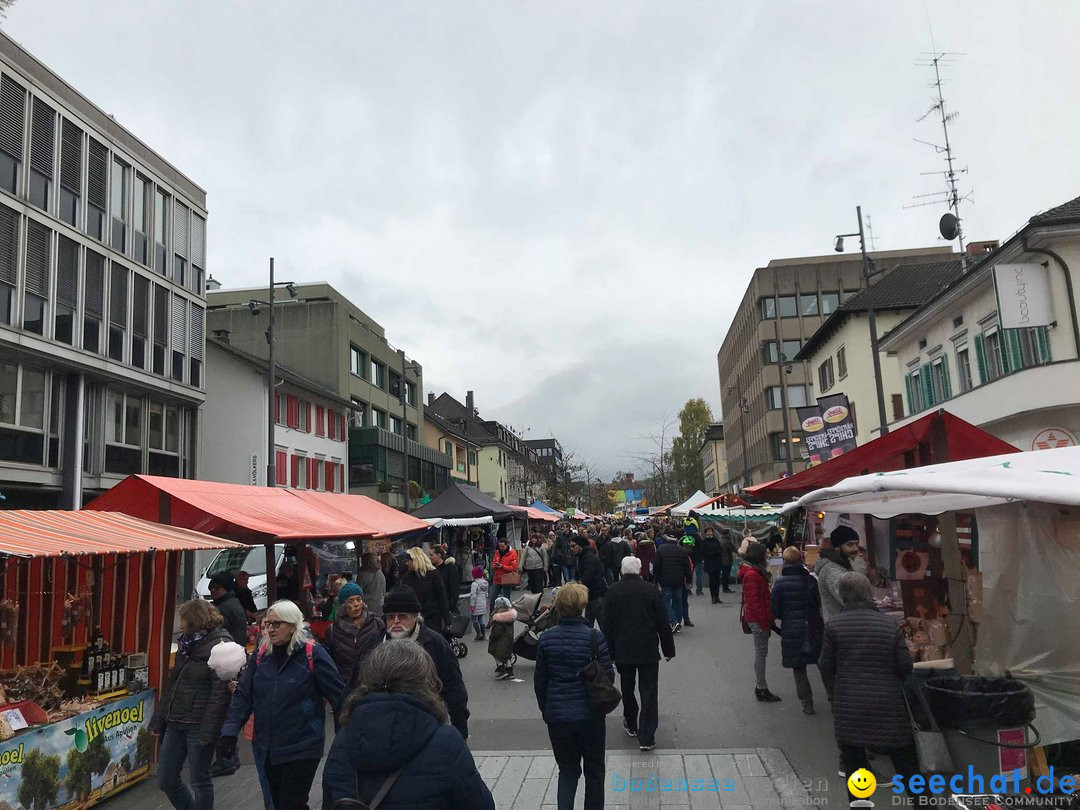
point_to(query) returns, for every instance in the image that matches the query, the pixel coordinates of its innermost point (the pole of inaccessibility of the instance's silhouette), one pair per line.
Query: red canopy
(540, 514)
(252, 514)
(886, 453)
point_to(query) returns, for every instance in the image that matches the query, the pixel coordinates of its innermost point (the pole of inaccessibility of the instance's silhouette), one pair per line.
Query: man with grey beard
(401, 612)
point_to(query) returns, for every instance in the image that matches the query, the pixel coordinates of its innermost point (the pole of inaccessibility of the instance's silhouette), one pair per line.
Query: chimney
(431, 399)
(212, 284)
(470, 406)
(222, 335)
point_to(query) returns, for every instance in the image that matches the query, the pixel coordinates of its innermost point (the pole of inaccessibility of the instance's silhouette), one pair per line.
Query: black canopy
(462, 501)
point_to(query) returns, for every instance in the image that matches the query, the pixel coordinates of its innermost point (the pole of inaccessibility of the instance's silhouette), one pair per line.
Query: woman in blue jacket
(396, 739)
(576, 729)
(796, 603)
(284, 683)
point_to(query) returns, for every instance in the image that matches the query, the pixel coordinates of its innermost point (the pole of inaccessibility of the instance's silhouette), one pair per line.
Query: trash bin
(985, 722)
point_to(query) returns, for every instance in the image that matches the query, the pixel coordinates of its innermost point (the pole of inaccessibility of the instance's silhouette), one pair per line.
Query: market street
(706, 709)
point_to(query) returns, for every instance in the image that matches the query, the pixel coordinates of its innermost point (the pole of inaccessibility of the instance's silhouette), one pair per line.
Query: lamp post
(744, 408)
(464, 421)
(415, 369)
(871, 317)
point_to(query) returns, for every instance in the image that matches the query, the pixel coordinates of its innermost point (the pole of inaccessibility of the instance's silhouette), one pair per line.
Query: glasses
(272, 624)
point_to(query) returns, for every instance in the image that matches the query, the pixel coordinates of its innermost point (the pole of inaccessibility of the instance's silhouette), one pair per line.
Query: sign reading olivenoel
(1023, 294)
(827, 428)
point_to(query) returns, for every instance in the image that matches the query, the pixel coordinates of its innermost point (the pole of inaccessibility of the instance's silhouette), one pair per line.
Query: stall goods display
(38, 684)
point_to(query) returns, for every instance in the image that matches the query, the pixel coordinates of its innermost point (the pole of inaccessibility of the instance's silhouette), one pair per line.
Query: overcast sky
(559, 204)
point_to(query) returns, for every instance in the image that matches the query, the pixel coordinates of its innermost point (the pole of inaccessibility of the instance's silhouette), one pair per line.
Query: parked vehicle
(252, 560)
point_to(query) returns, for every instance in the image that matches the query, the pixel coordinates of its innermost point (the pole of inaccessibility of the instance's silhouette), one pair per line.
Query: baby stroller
(459, 626)
(537, 617)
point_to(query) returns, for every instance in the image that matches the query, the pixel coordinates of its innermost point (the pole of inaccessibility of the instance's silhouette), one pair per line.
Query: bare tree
(655, 463)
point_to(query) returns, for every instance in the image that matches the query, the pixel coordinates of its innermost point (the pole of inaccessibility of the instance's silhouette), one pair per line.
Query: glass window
(379, 418)
(963, 369)
(9, 390)
(841, 362)
(787, 307)
(118, 198)
(916, 392)
(357, 361)
(140, 204)
(410, 432)
(114, 422)
(395, 424)
(161, 217)
(796, 397)
(172, 430)
(790, 348)
(994, 367)
(829, 302)
(378, 374)
(32, 406)
(410, 393)
(133, 421)
(768, 308)
(156, 425)
(769, 353)
(808, 304)
(825, 376)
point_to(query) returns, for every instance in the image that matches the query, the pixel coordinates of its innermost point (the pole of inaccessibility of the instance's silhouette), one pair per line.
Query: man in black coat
(590, 573)
(223, 596)
(672, 572)
(450, 574)
(401, 610)
(635, 624)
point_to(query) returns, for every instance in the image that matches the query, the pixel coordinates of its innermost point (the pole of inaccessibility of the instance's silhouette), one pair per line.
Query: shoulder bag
(376, 800)
(603, 696)
(742, 607)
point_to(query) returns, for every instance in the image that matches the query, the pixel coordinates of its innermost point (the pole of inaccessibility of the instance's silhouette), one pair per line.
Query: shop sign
(1023, 294)
(80, 760)
(827, 428)
(1052, 438)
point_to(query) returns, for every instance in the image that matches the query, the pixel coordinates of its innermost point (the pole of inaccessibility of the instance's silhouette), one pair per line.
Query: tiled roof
(907, 286)
(1064, 213)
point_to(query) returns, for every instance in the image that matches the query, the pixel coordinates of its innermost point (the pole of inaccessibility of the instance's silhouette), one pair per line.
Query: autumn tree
(694, 420)
(40, 781)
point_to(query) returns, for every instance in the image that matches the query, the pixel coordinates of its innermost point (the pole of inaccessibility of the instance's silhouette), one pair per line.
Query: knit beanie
(843, 534)
(579, 541)
(401, 599)
(347, 590)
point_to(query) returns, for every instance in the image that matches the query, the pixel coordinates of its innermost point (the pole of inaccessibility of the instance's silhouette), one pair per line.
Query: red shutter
(295, 477)
(293, 408)
(319, 429)
(341, 478)
(307, 416)
(281, 461)
(313, 473)
(331, 474)
(331, 424)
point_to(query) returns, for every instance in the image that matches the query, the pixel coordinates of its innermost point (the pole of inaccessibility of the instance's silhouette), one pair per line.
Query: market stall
(1027, 510)
(694, 501)
(86, 621)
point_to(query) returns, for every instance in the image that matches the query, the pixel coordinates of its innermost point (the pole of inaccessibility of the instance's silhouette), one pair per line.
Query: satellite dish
(949, 226)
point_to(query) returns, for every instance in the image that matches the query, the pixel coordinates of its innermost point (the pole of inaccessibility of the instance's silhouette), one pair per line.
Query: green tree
(694, 419)
(82, 767)
(142, 748)
(40, 781)
(125, 763)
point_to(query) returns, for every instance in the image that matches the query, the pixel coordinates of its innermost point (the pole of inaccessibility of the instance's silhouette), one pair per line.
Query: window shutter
(907, 389)
(343, 434)
(330, 472)
(38, 240)
(980, 358)
(293, 412)
(67, 273)
(95, 284)
(281, 472)
(197, 332)
(1003, 351)
(180, 229)
(179, 324)
(71, 157)
(97, 175)
(343, 485)
(1042, 339)
(9, 244)
(42, 138)
(331, 425)
(947, 393)
(295, 471)
(1015, 349)
(12, 117)
(926, 377)
(198, 241)
(320, 428)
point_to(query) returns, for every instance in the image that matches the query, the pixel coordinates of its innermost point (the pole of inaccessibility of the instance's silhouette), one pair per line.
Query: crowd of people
(386, 670)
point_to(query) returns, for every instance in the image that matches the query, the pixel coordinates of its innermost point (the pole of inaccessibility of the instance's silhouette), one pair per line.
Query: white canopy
(714, 511)
(1045, 476)
(474, 521)
(683, 509)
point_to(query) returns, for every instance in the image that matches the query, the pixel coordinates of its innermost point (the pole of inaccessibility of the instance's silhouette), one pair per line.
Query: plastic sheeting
(1030, 561)
(695, 500)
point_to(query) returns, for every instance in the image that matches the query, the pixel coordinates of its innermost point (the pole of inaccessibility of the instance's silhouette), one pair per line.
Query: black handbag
(603, 696)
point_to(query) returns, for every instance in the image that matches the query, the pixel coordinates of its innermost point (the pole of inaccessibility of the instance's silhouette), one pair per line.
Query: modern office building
(784, 304)
(323, 336)
(102, 268)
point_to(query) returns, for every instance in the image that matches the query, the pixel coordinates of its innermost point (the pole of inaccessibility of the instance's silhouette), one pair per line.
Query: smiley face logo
(862, 783)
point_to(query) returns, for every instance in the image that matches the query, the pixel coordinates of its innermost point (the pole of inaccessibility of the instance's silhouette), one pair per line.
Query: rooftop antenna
(951, 224)
(870, 233)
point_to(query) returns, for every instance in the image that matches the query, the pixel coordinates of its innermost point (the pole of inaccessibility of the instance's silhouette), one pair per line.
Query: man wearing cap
(223, 595)
(244, 594)
(401, 609)
(354, 633)
(590, 573)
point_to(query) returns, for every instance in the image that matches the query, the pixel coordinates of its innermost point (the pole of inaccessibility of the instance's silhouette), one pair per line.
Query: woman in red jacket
(505, 561)
(757, 612)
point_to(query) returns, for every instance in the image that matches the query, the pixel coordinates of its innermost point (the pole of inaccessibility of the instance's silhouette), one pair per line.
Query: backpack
(309, 648)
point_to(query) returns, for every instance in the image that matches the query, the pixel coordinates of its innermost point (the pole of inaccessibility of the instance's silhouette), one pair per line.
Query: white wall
(233, 426)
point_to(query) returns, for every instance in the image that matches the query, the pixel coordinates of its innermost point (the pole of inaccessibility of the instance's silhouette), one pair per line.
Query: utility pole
(781, 362)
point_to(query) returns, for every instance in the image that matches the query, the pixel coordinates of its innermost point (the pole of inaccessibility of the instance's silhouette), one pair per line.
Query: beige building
(714, 459)
(1020, 384)
(838, 354)
(784, 304)
(449, 438)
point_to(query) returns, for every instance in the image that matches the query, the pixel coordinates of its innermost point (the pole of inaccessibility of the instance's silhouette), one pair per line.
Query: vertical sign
(254, 469)
(1023, 294)
(827, 428)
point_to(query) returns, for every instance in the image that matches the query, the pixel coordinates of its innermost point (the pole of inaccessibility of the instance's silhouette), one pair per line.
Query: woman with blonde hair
(284, 684)
(373, 581)
(429, 589)
(576, 729)
(192, 709)
(396, 740)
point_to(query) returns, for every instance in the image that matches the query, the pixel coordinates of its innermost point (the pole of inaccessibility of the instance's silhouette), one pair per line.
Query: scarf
(186, 643)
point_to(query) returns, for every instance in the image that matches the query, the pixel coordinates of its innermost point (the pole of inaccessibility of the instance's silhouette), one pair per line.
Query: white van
(252, 560)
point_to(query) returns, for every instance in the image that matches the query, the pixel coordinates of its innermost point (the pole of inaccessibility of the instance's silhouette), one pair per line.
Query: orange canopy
(540, 514)
(36, 533)
(251, 514)
(382, 520)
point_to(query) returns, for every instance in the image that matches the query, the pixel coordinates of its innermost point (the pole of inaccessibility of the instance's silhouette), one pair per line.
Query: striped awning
(541, 515)
(54, 533)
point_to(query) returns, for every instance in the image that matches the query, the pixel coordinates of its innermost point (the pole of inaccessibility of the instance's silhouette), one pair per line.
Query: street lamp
(415, 369)
(867, 272)
(255, 306)
(464, 421)
(744, 407)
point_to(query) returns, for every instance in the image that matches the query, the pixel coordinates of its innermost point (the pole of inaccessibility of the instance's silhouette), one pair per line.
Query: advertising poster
(79, 761)
(827, 428)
